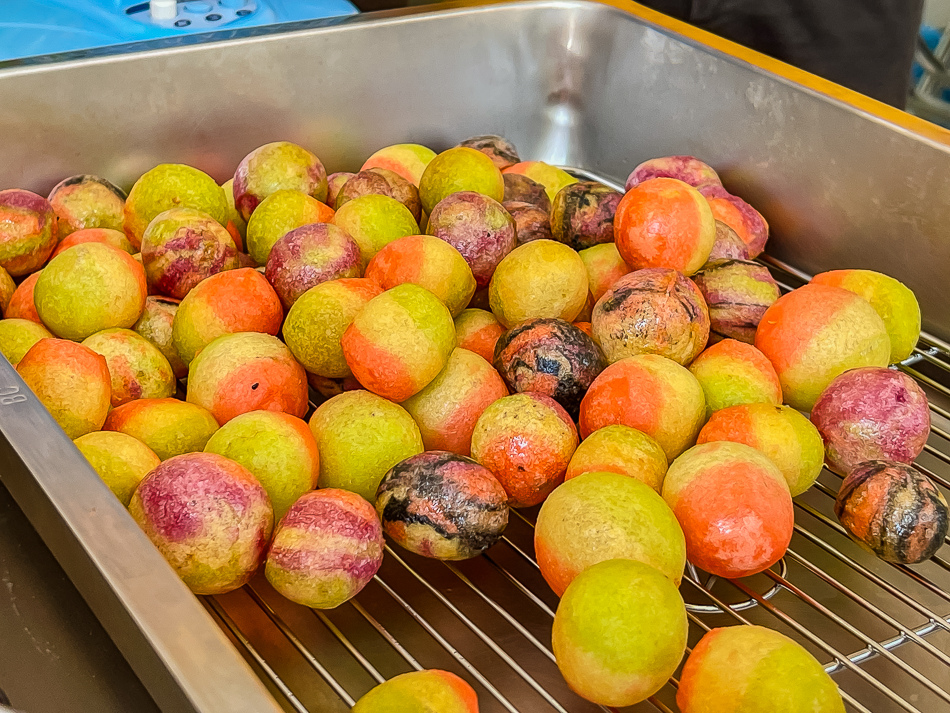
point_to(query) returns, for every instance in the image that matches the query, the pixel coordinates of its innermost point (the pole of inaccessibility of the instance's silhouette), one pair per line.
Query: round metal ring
(738, 606)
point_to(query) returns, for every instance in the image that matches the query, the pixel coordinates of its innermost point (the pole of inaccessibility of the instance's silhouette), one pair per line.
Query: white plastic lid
(163, 9)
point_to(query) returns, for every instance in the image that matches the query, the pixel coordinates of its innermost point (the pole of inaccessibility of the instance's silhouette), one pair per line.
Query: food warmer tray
(594, 86)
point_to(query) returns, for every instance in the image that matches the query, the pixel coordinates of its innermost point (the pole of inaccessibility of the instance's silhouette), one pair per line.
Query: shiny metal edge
(180, 654)
(682, 31)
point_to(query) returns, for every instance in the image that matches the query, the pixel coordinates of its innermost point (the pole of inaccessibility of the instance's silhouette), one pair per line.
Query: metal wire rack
(882, 630)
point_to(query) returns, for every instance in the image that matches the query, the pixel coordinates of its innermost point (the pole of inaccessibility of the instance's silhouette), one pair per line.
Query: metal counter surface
(55, 657)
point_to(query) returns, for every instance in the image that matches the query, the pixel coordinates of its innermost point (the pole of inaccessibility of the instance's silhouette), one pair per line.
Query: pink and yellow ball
(137, 368)
(208, 516)
(755, 669)
(620, 449)
(27, 231)
(478, 331)
(429, 690)
(119, 459)
(619, 632)
(664, 222)
(276, 166)
(326, 549)
(604, 267)
(156, 325)
(408, 160)
(89, 288)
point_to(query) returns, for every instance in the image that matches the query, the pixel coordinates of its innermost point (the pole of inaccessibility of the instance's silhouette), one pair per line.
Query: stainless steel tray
(844, 182)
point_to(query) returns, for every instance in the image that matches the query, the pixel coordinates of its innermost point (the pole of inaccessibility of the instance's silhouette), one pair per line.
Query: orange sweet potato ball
(664, 222)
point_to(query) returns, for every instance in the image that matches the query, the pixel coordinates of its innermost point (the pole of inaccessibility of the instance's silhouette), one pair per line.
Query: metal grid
(883, 630)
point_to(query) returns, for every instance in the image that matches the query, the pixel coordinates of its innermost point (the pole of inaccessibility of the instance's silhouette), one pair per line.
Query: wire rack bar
(930, 355)
(726, 609)
(245, 643)
(904, 569)
(840, 660)
(906, 633)
(937, 453)
(516, 625)
(819, 486)
(857, 633)
(521, 588)
(475, 629)
(806, 633)
(933, 476)
(348, 645)
(933, 617)
(441, 640)
(299, 645)
(390, 639)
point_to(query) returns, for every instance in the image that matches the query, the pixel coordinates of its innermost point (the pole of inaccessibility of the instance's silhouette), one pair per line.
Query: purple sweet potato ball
(728, 245)
(309, 255)
(582, 214)
(380, 182)
(871, 413)
(748, 223)
(183, 246)
(478, 227)
(326, 548)
(364, 183)
(277, 166)
(27, 231)
(683, 168)
(737, 292)
(209, 517)
(335, 183)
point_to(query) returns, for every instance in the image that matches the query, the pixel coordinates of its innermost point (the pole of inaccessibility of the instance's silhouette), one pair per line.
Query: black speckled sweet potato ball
(582, 214)
(893, 510)
(551, 357)
(442, 505)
